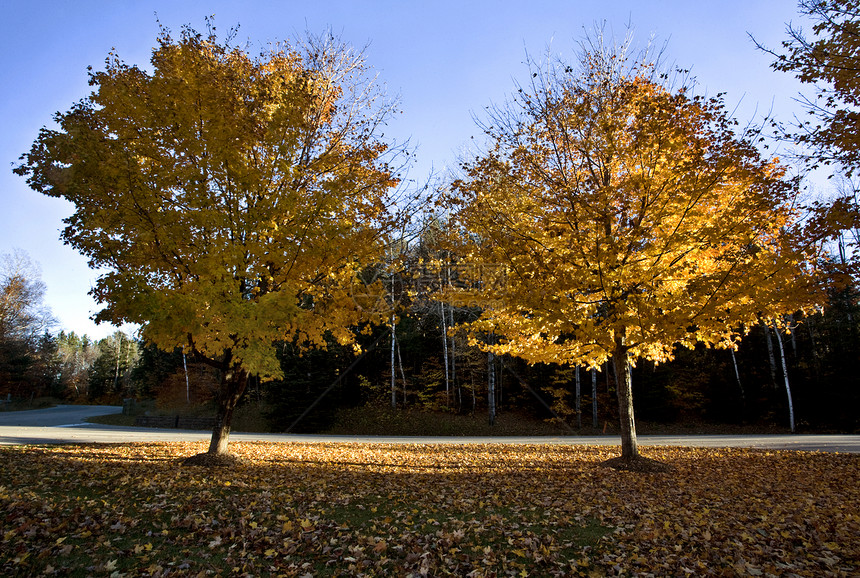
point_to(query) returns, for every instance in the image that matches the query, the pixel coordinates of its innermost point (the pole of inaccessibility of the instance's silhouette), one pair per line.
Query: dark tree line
(437, 373)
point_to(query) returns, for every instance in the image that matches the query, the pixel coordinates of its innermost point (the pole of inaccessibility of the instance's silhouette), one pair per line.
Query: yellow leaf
(307, 525)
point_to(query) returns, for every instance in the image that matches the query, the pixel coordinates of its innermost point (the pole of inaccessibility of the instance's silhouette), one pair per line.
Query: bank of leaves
(424, 510)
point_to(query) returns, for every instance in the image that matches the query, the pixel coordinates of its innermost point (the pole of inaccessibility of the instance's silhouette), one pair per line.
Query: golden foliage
(630, 218)
(231, 199)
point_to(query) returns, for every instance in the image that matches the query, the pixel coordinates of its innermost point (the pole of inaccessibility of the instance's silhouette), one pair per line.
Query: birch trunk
(770, 353)
(402, 373)
(445, 352)
(843, 257)
(491, 387)
(594, 398)
(785, 374)
(393, 367)
(738, 377)
(453, 349)
(578, 399)
(118, 354)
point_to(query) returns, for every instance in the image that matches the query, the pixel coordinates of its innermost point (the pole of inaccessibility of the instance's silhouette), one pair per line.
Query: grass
(330, 509)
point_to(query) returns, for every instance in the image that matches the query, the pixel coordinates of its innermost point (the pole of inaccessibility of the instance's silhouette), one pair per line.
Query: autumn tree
(829, 59)
(24, 320)
(230, 198)
(633, 217)
(23, 314)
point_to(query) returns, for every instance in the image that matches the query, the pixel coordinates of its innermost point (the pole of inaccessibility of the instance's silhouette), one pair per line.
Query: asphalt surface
(66, 424)
(57, 416)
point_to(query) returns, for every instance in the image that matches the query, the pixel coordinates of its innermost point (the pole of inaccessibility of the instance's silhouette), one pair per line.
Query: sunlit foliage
(231, 199)
(633, 217)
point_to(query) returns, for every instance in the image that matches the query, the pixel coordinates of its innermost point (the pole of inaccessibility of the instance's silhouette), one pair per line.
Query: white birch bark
(738, 376)
(393, 367)
(445, 352)
(770, 354)
(785, 374)
(453, 349)
(402, 373)
(491, 387)
(578, 399)
(118, 355)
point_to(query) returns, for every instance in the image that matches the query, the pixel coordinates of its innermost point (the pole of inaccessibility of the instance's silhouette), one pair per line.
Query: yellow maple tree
(631, 218)
(231, 199)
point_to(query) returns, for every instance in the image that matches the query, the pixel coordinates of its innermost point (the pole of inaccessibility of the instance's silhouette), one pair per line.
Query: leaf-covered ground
(422, 510)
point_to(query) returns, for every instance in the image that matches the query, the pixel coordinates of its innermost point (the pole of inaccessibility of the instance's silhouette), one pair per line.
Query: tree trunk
(624, 386)
(785, 374)
(608, 371)
(445, 351)
(770, 355)
(578, 399)
(740, 385)
(594, 398)
(233, 384)
(491, 387)
(843, 257)
(187, 382)
(402, 373)
(452, 348)
(792, 330)
(630, 458)
(118, 353)
(393, 368)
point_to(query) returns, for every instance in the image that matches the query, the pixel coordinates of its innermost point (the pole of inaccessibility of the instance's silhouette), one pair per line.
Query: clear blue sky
(445, 59)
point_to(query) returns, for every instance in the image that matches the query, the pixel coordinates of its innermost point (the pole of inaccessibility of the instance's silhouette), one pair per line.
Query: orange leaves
(625, 208)
(402, 510)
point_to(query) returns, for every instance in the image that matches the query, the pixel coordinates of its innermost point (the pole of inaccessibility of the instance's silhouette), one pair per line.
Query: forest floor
(333, 509)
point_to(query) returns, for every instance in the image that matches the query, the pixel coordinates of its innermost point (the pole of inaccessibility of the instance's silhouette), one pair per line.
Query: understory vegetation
(700, 388)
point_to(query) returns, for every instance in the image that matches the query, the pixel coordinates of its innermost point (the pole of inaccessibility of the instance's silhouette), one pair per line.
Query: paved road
(60, 415)
(64, 424)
